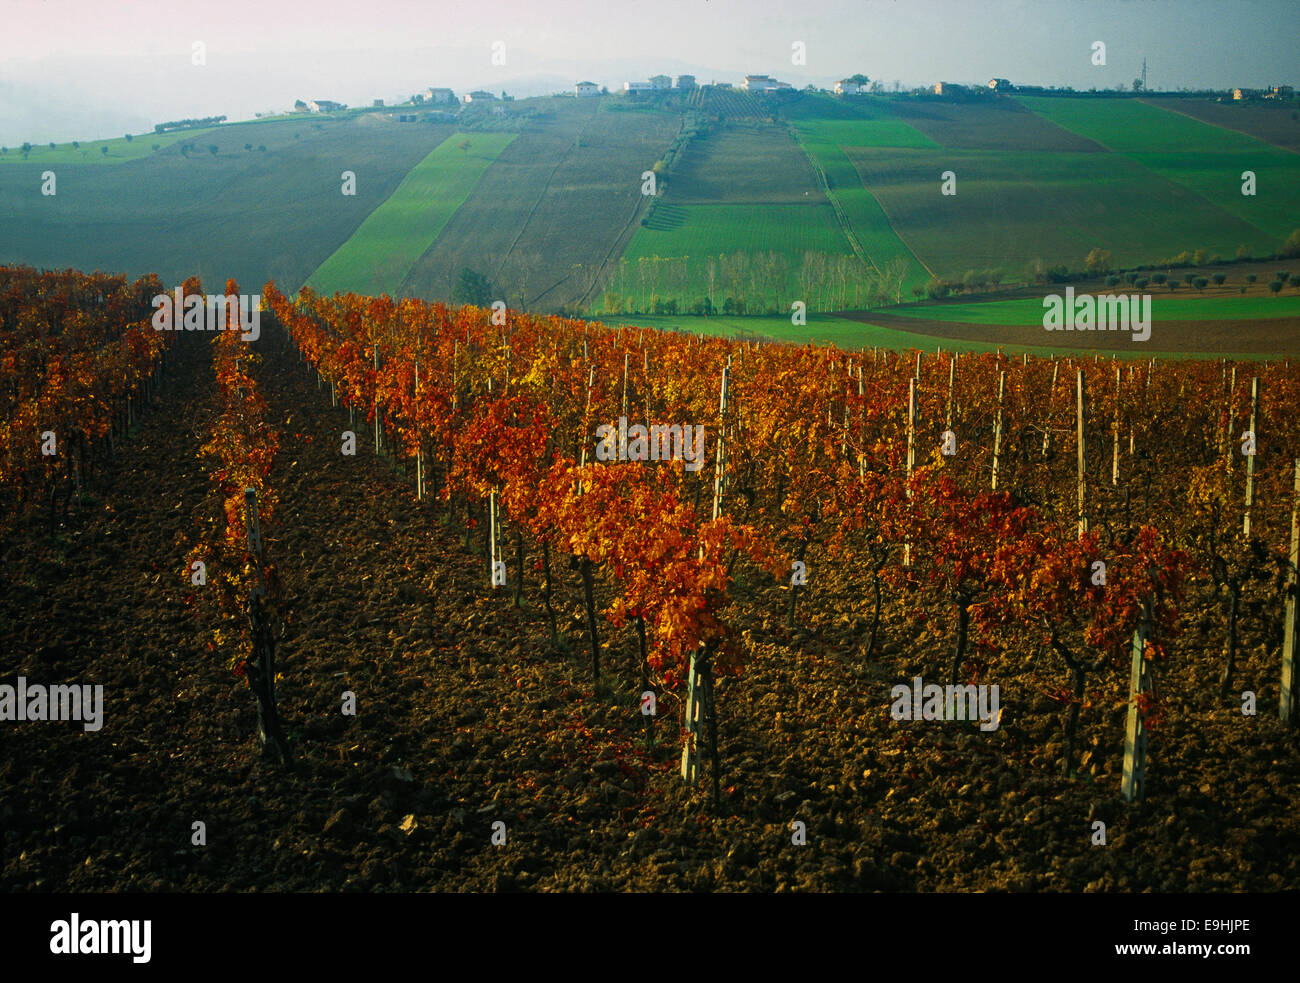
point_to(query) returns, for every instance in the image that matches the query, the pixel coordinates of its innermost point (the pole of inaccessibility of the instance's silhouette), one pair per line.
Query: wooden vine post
(376, 407)
(911, 456)
(1133, 784)
(419, 449)
(260, 671)
(699, 678)
(1286, 709)
(584, 563)
(1114, 458)
(1082, 458)
(997, 429)
(1047, 425)
(1250, 458)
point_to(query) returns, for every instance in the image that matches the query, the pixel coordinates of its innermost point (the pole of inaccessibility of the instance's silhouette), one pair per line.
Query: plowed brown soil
(466, 717)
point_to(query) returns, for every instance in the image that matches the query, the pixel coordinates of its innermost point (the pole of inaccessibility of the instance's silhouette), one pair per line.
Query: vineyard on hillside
(633, 608)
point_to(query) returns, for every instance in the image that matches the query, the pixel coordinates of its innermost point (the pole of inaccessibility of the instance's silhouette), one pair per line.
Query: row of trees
(750, 283)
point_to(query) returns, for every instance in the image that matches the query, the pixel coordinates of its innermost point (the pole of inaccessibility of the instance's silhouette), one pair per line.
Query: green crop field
(251, 214)
(997, 124)
(1028, 311)
(864, 133)
(1208, 160)
(1015, 209)
(711, 230)
(378, 256)
(1273, 121)
(860, 209)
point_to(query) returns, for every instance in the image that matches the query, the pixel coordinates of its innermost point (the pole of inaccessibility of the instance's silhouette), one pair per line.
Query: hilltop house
(478, 95)
(658, 82)
(846, 87)
(439, 95)
(948, 89)
(324, 106)
(586, 89)
(763, 83)
(1000, 85)
(634, 87)
(685, 81)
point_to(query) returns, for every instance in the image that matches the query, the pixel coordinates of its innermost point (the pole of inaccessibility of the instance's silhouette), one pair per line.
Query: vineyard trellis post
(1082, 457)
(1286, 707)
(997, 429)
(1114, 460)
(1133, 785)
(699, 688)
(419, 450)
(1250, 458)
(911, 457)
(1047, 425)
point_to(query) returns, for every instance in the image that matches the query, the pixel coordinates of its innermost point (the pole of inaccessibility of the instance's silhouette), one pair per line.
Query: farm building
(439, 95)
(847, 87)
(478, 95)
(1280, 92)
(324, 106)
(1243, 95)
(634, 87)
(1000, 85)
(763, 83)
(586, 89)
(948, 89)
(685, 81)
(658, 82)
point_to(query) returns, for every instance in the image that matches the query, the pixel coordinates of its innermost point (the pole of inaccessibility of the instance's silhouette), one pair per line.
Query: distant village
(854, 85)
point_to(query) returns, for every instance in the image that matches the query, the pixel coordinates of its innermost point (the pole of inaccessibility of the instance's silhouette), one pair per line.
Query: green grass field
(860, 208)
(710, 230)
(120, 149)
(378, 256)
(1015, 208)
(1206, 159)
(989, 124)
(864, 133)
(1164, 306)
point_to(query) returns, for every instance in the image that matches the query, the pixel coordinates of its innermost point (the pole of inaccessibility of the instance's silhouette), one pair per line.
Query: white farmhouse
(586, 89)
(763, 83)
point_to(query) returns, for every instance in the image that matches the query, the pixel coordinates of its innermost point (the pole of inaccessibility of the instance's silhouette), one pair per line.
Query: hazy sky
(94, 68)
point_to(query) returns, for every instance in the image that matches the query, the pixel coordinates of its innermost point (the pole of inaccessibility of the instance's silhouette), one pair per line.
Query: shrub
(1275, 286)
(1218, 279)
(1251, 278)
(1201, 283)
